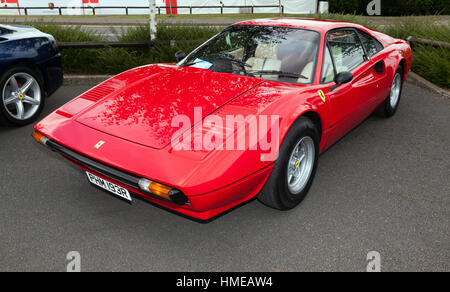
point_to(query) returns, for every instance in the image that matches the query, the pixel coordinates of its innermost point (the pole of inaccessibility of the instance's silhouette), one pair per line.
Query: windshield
(274, 53)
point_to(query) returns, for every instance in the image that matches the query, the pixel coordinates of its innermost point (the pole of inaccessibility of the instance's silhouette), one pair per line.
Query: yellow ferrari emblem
(297, 163)
(322, 95)
(21, 96)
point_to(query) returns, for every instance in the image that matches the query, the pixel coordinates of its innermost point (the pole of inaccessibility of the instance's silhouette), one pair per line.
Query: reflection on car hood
(142, 111)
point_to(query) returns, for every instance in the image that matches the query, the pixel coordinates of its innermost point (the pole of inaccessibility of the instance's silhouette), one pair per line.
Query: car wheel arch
(312, 115)
(315, 118)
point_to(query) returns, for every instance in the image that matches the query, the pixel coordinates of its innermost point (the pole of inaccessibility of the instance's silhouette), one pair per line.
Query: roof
(321, 25)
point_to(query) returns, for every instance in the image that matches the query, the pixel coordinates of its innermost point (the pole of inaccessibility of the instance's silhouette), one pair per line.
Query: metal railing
(428, 42)
(159, 8)
(134, 44)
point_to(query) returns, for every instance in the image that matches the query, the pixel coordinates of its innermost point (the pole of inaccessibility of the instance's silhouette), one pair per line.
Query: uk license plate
(109, 186)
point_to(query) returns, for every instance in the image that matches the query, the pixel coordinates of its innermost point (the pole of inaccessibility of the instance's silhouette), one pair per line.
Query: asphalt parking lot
(385, 187)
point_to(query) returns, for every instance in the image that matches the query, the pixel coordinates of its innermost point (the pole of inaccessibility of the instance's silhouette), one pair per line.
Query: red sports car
(246, 114)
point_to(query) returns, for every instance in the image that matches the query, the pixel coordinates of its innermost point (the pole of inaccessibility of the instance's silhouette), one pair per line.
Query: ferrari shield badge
(322, 95)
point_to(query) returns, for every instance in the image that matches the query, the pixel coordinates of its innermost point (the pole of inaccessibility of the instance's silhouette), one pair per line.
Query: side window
(370, 43)
(327, 68)
(346, 49)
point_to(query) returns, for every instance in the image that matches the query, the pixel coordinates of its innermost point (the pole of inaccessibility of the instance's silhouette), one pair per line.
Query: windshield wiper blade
(280, 73)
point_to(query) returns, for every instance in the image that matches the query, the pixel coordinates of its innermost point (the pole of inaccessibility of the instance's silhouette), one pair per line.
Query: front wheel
(295, 167)
(22, 96)
(390, 105)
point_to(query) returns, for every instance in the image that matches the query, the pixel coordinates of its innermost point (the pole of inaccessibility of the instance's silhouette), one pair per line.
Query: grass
(424, 28)
(66, 33)
(433, 64)
(116, 60)
(169, 32)
(430, 62)
(206, 16)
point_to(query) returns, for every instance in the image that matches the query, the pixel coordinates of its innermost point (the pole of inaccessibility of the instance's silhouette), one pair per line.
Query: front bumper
(125, 178)
(203, 207)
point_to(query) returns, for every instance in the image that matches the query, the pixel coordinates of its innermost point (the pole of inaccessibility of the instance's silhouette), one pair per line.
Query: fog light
(40, 138)
(162, 191)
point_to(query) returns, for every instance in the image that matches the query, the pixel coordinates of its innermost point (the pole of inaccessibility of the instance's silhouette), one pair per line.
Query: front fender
(285, 102)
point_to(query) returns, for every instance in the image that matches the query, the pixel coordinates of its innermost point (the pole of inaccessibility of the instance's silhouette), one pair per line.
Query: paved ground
(384, 187)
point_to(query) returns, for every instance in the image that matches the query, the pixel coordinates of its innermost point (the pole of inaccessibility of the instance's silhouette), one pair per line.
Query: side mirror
(180, 55)
(342, 78)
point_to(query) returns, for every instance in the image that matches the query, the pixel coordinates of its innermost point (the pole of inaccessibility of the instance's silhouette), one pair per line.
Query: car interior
(346, 49)
(276, 57)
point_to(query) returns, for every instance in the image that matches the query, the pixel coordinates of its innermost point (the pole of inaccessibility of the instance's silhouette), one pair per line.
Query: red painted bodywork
(132, 113)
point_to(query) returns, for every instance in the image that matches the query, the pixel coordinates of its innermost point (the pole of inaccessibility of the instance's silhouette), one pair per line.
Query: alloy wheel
(21, 96)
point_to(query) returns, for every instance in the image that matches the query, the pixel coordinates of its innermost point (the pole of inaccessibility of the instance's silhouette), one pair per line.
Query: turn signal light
(40, 138)
(155, 188)
(162, 191)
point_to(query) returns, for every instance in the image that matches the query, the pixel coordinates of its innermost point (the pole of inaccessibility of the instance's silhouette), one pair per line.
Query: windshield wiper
(280, 73)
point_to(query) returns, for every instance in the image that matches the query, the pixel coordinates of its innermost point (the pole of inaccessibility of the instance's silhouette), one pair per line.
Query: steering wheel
(233, 59)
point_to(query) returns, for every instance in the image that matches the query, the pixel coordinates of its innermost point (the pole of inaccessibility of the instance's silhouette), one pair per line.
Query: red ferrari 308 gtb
(246, 114)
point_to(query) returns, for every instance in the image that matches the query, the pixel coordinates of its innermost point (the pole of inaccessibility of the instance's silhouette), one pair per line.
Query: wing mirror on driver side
(342, 78)
(180, 55)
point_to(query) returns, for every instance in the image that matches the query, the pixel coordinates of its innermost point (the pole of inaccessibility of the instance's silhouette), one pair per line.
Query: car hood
(143, 111)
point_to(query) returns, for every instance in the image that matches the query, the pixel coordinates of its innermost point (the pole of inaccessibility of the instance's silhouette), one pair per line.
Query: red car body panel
(131, 112)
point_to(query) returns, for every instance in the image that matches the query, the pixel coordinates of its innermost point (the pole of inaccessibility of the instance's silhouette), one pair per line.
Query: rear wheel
(390, 105)
(295, 167)
(22, 96)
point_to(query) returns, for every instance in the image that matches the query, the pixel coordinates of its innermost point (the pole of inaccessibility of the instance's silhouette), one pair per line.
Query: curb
(422, 82)
(85, 79)
(96, 79)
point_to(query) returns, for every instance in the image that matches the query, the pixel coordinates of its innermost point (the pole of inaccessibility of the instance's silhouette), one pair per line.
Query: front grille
(121, 176)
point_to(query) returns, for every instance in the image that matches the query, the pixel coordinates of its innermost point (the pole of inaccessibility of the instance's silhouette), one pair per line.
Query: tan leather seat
(338, 59)
(265, 59)
(238, 54)
(307, 72)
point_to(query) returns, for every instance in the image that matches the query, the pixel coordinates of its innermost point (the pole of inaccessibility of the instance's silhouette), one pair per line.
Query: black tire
(276, 193)
(386, 110)
(6, 118)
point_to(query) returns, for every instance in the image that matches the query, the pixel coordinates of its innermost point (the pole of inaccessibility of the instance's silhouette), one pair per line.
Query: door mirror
(342, 78)
(180, 55)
